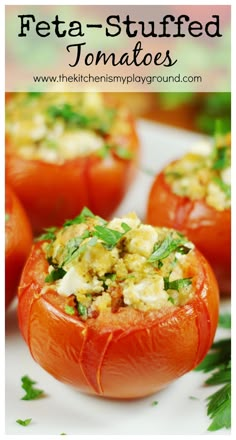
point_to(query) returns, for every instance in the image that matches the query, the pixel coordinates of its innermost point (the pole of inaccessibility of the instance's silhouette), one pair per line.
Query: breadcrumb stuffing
(121, 263)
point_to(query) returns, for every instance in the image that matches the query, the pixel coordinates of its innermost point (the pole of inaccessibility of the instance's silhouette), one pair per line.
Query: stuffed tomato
(118, 309)
(192, 195)
(18, 240)
(68, 150)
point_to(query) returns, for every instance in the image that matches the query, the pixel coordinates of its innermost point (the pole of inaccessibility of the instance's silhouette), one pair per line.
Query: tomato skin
(17, 245)
(127, 354)
(52, 193)
(207, 228)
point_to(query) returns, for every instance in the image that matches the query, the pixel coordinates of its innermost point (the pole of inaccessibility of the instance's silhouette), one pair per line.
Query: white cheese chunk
(72, 282)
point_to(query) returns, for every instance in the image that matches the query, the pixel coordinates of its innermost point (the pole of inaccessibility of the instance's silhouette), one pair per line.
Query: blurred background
(191, 111)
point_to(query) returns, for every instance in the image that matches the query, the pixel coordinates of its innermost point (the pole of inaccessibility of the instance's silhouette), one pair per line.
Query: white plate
(65, 410)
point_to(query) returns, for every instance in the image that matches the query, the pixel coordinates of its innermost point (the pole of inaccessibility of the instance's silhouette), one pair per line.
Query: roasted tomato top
(67, 150)
(125, 296)
(18, 240)
(204, 174)
(192, 195)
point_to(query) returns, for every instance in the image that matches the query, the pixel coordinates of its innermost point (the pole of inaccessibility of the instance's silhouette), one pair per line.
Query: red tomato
(51, 192)
(127, 354)
(18, 243)
(208, 228)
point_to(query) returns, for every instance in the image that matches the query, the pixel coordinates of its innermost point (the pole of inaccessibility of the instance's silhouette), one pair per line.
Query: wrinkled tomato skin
(17, 243)
(128, 354)
(52, 193)
(208, 228)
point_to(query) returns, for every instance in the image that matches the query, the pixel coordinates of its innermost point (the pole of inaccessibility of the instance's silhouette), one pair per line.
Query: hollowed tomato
(127, 354)
(18, 242)
(208, 228)
(53, 192)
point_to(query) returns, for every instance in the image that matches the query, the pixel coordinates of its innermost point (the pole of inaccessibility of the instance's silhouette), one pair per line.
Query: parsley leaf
(176, 284)
(221, 160)
(123, 153)
(31, 392)
(218, 361)
(110, 237)
(25, 422)
(69, 310)
(219, 408)
(167, 246)
(7, 216)
(74, 117)
(49, 234)
(225, 187)
(225, 320)
(56, 274)
(82, 309)
(154, 403)
(81, 218)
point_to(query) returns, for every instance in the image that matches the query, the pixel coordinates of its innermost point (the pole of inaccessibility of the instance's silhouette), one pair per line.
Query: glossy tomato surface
(18, 240)
(208, 228)
(127, 354)
(54, 192)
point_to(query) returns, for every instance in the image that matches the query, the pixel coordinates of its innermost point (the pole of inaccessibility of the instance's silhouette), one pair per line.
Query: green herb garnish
(225, 320)
(55, 274)
(49, 234)
(81, 218)
(166, 247)
(104, 151)
(31, 392)
(79, 119)
(221, 160)
(7, 216)
(110, 237)
(25, 422)
(176, 284)
(34, 94)
(82, 309)
(69, 310)
(223, 186)
(218, 362)
(155, 403)
(123, 153)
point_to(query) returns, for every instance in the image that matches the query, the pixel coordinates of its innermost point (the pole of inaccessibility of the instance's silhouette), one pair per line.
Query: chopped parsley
(55, 274)
(81, 218)
(73, 248)
(176, 284)
(82, 309)
(225, 187)
(69, 310)
(221, 159)
(225, 320)
(7, 217)
(218, 362)
(154, 403)
(31, 392)
(79, 119)
(25, 422)
(49, 234)
(167, 246)
(110, 237)
(123, 153)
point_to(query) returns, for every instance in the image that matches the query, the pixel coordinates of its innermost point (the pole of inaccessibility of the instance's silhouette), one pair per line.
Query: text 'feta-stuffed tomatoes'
(68, 150)
(118, 309)
(193, 195)
(18, 240)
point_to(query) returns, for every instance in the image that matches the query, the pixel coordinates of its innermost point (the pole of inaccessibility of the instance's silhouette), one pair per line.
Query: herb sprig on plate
(218, 363)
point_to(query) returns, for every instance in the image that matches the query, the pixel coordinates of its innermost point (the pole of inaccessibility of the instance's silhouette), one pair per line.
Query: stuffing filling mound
(54, 127)
(101, 265)
(204, 174)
